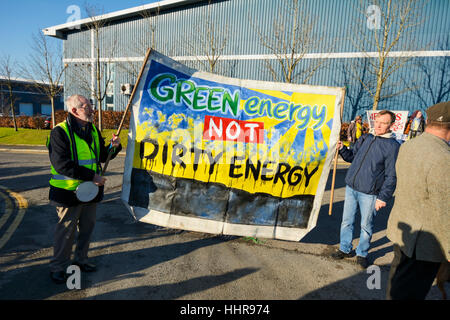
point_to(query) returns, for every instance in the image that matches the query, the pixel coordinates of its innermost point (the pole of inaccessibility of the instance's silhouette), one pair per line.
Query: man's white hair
(74, 101)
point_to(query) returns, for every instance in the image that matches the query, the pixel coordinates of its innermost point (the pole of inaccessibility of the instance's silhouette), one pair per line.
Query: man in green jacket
(76, 150)
(419, 222)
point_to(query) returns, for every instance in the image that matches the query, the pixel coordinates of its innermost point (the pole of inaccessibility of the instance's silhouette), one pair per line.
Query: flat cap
(439, 112)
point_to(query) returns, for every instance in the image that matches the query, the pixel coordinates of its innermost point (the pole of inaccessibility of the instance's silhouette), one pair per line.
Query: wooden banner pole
(336, 159)
(130, 101)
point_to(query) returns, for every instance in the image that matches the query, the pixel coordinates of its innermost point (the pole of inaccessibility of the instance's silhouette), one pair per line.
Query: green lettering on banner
(304, 117)
(266, 104)
(251, 106)
(212, 98)
(319, 116)
(156, 83)
(198, 98)
(292, 110)
(183, 91)
(233, 103)
(279, 109)
(166, 87)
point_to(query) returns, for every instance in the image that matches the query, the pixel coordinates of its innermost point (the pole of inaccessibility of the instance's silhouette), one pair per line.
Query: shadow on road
(328, 227)
(178, 289)
(339, 180)
(7, 172)
(353, 288)
(25, 183)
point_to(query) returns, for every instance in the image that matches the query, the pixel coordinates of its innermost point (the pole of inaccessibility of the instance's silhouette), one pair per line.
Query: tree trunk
(52, 101)
(99, 106)
(377, 96)
(99, 100)
(99, 90)
(13, 112)
(14, 117)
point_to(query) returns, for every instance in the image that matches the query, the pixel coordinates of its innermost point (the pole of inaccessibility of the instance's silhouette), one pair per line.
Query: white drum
(86, 191)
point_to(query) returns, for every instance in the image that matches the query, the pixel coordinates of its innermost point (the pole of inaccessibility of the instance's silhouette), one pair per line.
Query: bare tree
(96, 26)
(6, 70)
(151, 22)
(290, 43)
(357, 79)
(393, 21)
(46, 69)
(433, 82)
(101, 57)
(355, 93)
(207, 42)
(139, 48)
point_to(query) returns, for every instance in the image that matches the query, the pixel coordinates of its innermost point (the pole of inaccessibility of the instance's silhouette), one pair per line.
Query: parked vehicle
(47, 122)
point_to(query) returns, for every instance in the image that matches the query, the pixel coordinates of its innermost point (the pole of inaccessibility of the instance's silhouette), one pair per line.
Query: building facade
(27, 98)
(315, 42)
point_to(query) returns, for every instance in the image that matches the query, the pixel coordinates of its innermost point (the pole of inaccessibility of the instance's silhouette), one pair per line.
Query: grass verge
(39, 137)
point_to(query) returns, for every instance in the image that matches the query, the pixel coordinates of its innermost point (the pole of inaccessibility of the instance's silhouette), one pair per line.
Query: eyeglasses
(88, 107)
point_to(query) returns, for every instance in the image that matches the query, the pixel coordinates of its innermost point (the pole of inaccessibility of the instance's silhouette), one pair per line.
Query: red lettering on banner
(225, 129)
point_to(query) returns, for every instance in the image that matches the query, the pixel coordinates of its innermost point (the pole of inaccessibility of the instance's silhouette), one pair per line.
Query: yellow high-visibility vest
(86, 158)
(358, 130)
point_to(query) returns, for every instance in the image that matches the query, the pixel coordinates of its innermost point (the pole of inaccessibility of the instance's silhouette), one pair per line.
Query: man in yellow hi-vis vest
(76, 149)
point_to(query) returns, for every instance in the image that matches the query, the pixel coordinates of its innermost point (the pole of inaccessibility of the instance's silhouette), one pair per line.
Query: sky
(19, 19)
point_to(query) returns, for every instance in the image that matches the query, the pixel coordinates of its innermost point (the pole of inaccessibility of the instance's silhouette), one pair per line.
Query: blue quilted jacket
(373, 165)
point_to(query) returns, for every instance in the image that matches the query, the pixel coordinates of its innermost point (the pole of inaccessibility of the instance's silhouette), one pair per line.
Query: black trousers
(410, 279)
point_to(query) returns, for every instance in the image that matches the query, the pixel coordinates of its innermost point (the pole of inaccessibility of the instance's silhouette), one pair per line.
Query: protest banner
(219, 155)
(401, 117)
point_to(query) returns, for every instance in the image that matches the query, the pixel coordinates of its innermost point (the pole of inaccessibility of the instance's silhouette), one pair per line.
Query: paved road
(143, 261)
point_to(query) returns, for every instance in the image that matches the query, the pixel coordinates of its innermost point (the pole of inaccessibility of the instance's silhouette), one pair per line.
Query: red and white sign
(399, 125)
(225, 129)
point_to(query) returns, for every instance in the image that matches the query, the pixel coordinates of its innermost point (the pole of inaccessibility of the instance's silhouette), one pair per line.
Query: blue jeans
(366, 204)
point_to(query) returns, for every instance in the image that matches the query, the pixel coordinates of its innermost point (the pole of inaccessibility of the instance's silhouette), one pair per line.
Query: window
(26, 109)
(46, 109)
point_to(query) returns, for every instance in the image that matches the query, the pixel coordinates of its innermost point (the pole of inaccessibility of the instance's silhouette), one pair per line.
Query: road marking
(21, 205)
(8, 209)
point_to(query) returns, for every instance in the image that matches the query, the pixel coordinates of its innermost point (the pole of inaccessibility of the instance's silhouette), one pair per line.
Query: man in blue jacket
(370, 183)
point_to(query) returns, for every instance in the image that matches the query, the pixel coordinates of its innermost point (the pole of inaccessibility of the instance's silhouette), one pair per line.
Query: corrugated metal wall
(336, 26)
